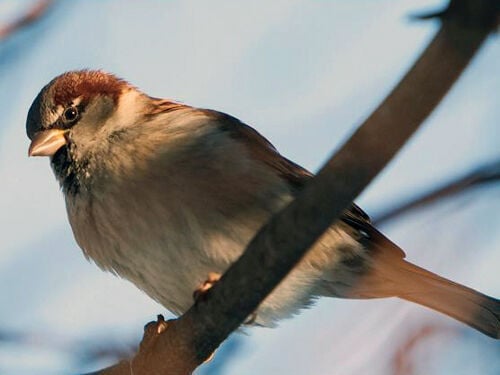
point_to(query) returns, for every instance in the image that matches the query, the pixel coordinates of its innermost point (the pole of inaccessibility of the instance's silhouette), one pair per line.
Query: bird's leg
(205, 286)
(202, 290)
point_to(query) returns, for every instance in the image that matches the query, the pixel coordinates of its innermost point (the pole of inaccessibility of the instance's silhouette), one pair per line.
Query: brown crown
(86, 83)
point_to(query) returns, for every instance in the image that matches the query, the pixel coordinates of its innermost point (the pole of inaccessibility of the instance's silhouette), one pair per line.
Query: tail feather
(399, 278)
(382, 271)
(457, 301)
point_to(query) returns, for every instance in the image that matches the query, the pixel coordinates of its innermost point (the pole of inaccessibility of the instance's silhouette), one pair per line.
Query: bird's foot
(204, 287)
(157, 327)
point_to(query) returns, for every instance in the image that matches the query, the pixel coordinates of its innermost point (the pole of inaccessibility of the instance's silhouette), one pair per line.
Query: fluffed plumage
(162, 193)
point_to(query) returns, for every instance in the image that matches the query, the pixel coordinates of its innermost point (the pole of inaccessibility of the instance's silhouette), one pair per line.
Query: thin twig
(480, 176)
(32, 14)
(89, 350)
(403, 358)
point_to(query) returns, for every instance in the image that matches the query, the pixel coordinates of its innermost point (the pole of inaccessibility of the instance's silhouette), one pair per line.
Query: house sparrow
(163, 194)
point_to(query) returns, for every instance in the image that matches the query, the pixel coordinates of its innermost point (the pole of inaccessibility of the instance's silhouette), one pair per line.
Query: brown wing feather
(263, 150)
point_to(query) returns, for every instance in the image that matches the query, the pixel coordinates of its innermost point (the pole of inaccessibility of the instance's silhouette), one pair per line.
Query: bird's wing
(261, 149)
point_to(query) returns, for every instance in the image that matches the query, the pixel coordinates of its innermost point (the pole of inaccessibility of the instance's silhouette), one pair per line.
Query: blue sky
(304, 73)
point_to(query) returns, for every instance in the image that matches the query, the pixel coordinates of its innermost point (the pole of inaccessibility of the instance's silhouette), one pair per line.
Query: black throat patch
(69, 171)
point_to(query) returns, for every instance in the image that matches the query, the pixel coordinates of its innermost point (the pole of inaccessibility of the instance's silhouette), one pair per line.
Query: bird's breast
(165, 230)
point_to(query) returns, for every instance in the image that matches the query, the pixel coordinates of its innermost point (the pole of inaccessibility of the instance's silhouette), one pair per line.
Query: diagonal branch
(480, 176)
(282, 242)
(91, 349)
(404, 358)
(32, 14)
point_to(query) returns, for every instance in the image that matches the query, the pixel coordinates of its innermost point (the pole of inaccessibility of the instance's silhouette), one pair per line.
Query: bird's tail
(390, 275)
(457, 301)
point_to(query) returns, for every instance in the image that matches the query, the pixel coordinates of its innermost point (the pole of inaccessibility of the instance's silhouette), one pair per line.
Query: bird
(163, 194)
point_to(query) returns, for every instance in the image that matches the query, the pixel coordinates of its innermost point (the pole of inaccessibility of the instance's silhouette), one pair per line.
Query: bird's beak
(47, 142)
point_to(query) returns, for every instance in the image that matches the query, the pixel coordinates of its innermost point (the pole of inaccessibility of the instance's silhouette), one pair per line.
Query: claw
(202, 290)
(161, 324)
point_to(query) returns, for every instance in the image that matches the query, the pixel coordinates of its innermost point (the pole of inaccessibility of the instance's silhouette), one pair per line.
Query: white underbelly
(168, 251)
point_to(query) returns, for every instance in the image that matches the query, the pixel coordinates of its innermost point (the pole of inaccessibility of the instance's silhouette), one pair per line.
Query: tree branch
(281, 243)
(480, 176)
(32, 14)
(403, 361)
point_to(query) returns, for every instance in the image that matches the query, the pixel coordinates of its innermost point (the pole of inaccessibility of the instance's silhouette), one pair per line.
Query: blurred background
(304, 74)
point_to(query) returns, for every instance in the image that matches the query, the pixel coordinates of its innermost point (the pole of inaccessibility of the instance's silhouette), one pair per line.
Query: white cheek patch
(126, 112)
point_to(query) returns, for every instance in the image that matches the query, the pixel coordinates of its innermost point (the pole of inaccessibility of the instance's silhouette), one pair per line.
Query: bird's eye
(70, 114)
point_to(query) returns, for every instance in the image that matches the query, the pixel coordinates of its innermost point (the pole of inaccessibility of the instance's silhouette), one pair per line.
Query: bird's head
(75, 115)
(80, 116)
(75, 102)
